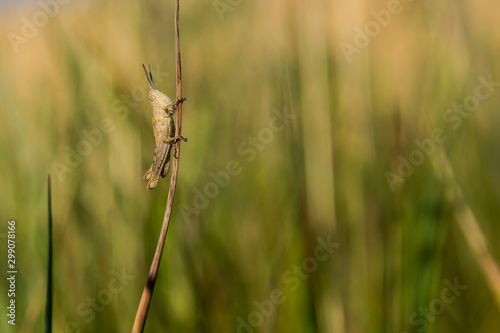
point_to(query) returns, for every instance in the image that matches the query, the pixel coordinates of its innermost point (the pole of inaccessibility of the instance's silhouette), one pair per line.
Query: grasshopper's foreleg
(176, 104)
(180, 101)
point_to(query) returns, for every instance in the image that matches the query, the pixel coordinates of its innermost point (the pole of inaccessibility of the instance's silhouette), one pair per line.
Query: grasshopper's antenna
(149, 77)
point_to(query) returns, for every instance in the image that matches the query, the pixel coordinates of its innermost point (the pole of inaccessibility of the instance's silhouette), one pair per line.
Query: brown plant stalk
(142, 311)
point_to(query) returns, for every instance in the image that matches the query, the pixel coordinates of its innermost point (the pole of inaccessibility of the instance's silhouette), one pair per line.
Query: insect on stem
(164, 131)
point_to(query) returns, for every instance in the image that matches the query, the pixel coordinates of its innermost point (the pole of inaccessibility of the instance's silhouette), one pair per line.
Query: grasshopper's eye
(152, 96)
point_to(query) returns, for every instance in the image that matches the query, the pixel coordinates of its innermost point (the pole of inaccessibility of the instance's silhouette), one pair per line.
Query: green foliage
(256, 187)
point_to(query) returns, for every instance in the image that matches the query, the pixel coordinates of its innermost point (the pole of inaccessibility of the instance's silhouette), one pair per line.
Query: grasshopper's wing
(166, 168)
(161, 158)
(170, 147)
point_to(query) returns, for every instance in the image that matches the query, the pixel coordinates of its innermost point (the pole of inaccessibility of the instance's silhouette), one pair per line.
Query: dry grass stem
(142, 311)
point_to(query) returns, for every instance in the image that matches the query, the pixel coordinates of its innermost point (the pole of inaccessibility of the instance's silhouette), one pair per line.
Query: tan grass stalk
(142, 311)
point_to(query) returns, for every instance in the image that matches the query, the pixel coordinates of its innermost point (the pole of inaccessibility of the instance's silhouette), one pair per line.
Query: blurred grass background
(323, 175)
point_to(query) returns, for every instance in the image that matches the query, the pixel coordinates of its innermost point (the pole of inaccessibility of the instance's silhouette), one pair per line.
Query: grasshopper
(164, 131)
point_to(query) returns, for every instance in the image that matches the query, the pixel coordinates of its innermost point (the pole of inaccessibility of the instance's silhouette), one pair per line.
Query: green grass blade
(48, 299)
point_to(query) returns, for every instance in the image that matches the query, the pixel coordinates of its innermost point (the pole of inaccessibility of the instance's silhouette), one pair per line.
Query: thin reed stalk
(142, 311)
(49, 295)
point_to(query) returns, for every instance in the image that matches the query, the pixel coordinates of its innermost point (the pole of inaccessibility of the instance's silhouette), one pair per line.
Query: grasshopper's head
(157, 98)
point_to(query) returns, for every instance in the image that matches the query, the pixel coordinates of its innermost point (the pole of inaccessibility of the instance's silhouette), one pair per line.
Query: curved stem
(142, 311)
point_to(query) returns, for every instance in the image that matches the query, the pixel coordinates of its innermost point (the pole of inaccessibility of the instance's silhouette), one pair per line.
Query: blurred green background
(314, 106)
